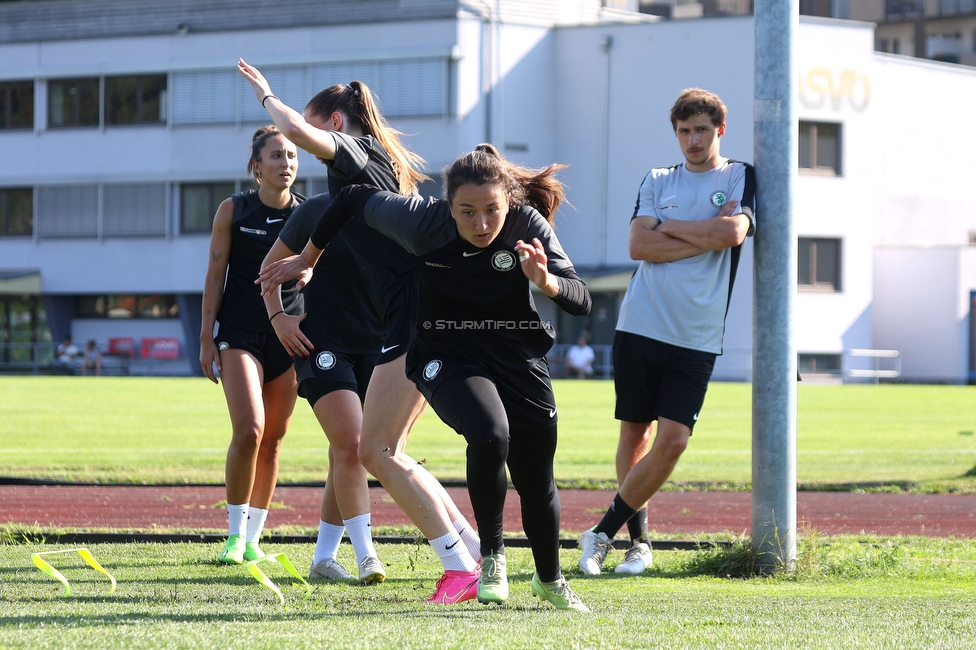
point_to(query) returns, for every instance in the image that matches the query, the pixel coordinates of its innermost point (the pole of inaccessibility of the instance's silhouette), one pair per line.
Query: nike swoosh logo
(470, 254)
(384, 349)
(452, 545)
(270, 220)
(695, 417)
(552, 413)
(668, 198)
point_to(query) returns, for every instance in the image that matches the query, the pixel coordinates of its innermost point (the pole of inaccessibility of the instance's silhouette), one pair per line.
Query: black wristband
(271, 318)
(265, 98)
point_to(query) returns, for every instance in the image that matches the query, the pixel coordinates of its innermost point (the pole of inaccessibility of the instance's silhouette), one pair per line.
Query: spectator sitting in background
(66, 354)
(91, 359)
(580, 358)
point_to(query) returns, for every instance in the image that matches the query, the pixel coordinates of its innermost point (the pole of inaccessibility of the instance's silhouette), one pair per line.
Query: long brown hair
(538, 188)
(355, 102)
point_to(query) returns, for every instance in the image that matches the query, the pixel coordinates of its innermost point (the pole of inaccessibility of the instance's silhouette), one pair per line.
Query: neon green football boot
(233, 552)
(493, 584)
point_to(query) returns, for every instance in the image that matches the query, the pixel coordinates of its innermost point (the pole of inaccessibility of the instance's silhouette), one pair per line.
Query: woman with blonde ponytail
(342, 127)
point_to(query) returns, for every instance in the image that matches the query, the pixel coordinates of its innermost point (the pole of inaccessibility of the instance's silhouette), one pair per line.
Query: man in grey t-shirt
(687, 232)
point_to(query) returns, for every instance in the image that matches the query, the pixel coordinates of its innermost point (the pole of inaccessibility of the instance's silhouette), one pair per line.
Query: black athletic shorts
(325, 372)
(263, 346)
(527, 395)
(401, 316)
(654, 379)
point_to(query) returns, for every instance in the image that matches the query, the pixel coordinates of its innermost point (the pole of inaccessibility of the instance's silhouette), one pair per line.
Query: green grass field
(177, 429)
(846, 593)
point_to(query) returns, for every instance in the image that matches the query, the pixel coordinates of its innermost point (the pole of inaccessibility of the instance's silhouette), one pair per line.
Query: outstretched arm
(285, 325)
(349, 202)
(290, 122)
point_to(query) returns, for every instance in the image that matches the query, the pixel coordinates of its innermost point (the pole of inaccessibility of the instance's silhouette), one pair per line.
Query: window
(818, 264)
(819, 147)
(135, 100)
(198, 203)
(17, 105)
(72, 102)
(16, 212)
(67, 211)
(898, 9)
(816, 8)
(402, 88)
(820, 364)
(128, 306)
(134, 209)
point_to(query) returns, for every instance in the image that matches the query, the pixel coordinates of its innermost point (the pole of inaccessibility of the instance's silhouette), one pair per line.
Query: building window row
(404, 88)
(119, 209)
(128, 306)
(127, 100)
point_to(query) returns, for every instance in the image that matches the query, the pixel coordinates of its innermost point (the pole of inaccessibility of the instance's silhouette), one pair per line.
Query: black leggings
(473, 407)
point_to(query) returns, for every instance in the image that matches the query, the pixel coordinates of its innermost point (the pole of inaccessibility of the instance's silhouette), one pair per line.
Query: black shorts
(325, 372)
(654, 379)
(401, 317)
(527, 394)
(263, 346)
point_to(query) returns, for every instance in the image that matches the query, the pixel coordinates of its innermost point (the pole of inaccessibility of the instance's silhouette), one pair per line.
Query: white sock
(452, 553)
(327, 543)
(468, 535)
(236, 516)
(360, 534)
(255, 524)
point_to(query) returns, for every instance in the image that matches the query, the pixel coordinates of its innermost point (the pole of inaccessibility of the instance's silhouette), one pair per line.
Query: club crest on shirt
(431, 369)
(503, 260)
(719, 198)
(325, 360)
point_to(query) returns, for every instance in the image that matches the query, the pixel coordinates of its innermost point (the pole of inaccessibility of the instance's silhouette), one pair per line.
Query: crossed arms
(675, 239)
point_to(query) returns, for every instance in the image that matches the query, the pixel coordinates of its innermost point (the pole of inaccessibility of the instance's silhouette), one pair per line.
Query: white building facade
(139, 124)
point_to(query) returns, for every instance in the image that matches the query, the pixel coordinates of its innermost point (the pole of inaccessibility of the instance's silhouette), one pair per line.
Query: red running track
(143, 508)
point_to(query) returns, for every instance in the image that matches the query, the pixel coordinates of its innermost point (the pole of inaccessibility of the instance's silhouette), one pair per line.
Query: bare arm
(294, 267)
(290, 122)
(213, 286)
(286, 326)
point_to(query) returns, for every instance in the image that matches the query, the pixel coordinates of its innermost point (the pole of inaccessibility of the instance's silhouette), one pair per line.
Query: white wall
(837, 84)
(923, 153)
(918, 307)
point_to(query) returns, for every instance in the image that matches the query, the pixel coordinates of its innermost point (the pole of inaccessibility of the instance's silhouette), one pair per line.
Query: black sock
(616, 517)
(637, 526)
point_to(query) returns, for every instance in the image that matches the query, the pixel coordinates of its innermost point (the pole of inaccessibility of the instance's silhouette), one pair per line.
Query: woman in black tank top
(242, 350)
(342, 127)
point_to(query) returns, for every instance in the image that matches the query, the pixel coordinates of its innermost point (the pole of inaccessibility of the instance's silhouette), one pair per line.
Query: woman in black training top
(479, 354)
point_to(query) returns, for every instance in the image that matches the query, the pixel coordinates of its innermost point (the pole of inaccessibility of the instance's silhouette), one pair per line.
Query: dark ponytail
(258, 141)
(537, 188)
